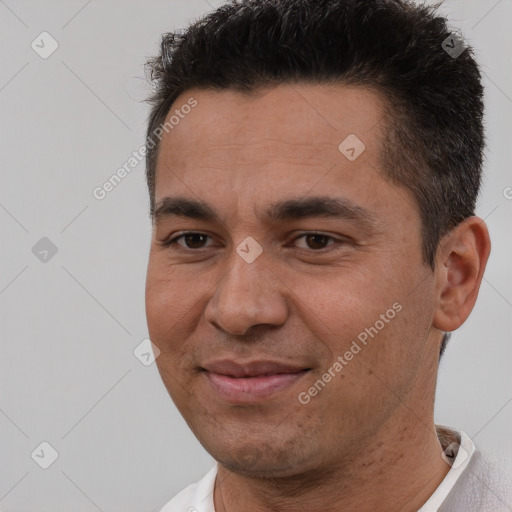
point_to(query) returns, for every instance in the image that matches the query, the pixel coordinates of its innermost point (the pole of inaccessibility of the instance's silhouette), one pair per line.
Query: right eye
(193, 240)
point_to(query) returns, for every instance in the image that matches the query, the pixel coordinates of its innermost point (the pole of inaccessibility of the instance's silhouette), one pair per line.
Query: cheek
(169, 306)
(370, 316)
(340, 306)
(393, 347)
(170, 323)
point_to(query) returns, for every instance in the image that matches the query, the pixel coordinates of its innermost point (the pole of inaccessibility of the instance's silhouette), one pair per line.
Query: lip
(253, 381)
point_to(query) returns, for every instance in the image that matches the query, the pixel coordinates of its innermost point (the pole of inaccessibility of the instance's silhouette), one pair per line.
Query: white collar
(466, 449)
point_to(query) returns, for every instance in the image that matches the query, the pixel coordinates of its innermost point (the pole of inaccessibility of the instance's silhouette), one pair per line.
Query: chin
(272, 458)
(259, 468)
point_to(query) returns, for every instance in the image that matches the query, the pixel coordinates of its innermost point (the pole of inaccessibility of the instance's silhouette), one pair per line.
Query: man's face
(223, 321)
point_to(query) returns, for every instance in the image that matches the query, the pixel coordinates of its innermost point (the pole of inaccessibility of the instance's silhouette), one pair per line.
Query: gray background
(69, 324)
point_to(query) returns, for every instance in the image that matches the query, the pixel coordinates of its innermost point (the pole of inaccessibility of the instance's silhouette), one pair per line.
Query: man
(313, 168)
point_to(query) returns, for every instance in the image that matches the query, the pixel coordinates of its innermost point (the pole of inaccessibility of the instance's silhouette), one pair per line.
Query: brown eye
(192, 241)
(316, 241)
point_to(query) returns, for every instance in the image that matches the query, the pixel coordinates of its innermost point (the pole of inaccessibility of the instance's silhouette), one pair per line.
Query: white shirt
(464, 454)
(474, 493)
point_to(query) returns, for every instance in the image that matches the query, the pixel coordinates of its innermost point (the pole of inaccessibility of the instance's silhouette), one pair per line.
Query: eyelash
(173, 241)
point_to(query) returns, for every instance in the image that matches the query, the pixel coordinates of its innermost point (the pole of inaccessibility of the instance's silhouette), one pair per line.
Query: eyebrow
(289, 209)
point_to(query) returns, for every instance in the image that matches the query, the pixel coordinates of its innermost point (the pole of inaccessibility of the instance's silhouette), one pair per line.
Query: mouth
(251, 382)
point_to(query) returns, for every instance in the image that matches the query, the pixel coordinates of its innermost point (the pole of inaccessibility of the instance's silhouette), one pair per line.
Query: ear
(460, 263)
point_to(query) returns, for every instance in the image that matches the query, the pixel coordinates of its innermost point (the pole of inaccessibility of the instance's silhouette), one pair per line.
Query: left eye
(316, 240)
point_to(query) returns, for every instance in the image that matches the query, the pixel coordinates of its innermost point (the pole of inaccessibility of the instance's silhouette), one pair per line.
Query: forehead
(313, 118)
(286, 139)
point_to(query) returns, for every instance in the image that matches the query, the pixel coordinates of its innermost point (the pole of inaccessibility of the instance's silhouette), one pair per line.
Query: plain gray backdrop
(71, 319)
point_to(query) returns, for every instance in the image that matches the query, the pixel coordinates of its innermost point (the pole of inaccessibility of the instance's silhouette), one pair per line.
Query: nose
(248, 294)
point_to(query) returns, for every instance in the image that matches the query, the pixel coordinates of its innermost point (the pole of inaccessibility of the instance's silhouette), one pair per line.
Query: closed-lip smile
(251, 381)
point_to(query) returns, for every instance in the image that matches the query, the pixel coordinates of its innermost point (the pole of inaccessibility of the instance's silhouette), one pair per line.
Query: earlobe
(460, 263)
